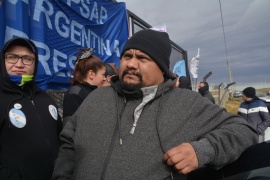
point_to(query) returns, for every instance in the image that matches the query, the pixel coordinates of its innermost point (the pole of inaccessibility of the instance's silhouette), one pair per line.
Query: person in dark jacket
(254, 111)
(204, 91)
(88, 74)
(184, 83)
(29, 119)
(142, 127)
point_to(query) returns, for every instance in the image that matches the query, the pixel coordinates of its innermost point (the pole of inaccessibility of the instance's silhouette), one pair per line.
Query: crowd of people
(131, 122)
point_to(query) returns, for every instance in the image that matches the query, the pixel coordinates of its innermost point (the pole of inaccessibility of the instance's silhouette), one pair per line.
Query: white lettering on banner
(94, 37)
(75, 25)
(116, 48)
(44, 57)
(94, 13)
(66, 28)
(87, 10)
(10, 32)
(57, 63)
(106, 47)
(64, 33)
(86, 38)
(71, 61)
(15, 1)
(72, 29)
(99, 16)
(75, 1)
(103, 14)
(39, 8)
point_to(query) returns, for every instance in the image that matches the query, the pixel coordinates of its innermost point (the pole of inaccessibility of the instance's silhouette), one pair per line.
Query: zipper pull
(121, 141)
(172, 175)
(133, 128)
(32, 102)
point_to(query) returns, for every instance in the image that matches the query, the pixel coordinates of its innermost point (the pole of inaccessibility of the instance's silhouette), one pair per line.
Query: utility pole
(230, 72)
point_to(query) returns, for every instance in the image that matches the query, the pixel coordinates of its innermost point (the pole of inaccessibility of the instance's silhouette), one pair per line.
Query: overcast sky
(194, 24)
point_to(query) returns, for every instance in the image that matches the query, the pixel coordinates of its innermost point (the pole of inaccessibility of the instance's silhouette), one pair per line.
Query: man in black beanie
(255, 111)
(249, 92)
(155, 44)
(142, 127)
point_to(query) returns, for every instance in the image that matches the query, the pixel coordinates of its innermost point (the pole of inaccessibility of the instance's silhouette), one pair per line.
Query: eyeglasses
(14, 58)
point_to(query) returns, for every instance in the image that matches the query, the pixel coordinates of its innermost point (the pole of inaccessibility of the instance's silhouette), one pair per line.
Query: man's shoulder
(102, 92)
(105, 89)
(258, 102)
(243, 103)
(209, 93)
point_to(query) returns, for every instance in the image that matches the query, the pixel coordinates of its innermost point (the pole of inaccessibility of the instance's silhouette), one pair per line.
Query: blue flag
(180, 68)
(59, 28)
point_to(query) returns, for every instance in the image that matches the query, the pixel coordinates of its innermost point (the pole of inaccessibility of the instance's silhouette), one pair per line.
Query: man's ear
(108, 78)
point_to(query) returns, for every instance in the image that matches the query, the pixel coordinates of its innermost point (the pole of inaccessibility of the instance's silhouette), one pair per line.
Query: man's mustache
(128, 71)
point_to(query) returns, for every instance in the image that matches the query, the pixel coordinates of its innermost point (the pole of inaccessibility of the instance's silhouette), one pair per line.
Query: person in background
(177, 82)
(88, 74)
(204, 91)
(254, 111)
(184, 83)
(144, 127)
(29, 119)
(111, 70)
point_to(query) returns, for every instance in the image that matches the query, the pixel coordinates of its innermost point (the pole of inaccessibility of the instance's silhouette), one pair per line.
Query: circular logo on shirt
(17, 106)
(17, 118)
(53, 111)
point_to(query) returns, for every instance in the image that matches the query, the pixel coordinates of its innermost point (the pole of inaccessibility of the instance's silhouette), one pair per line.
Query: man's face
(138, 70)
(21, 67)
(245, 98)
(201, 85)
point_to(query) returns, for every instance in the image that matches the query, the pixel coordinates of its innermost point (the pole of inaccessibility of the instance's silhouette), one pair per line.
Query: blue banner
(180, 68)
(60, 27)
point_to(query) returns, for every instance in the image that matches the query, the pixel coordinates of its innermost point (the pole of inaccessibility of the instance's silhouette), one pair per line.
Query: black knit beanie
(249, 92)
(184, 82)
(155, 44)
(111, 69)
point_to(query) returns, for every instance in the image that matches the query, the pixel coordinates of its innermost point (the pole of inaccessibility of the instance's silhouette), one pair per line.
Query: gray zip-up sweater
(97, 143)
